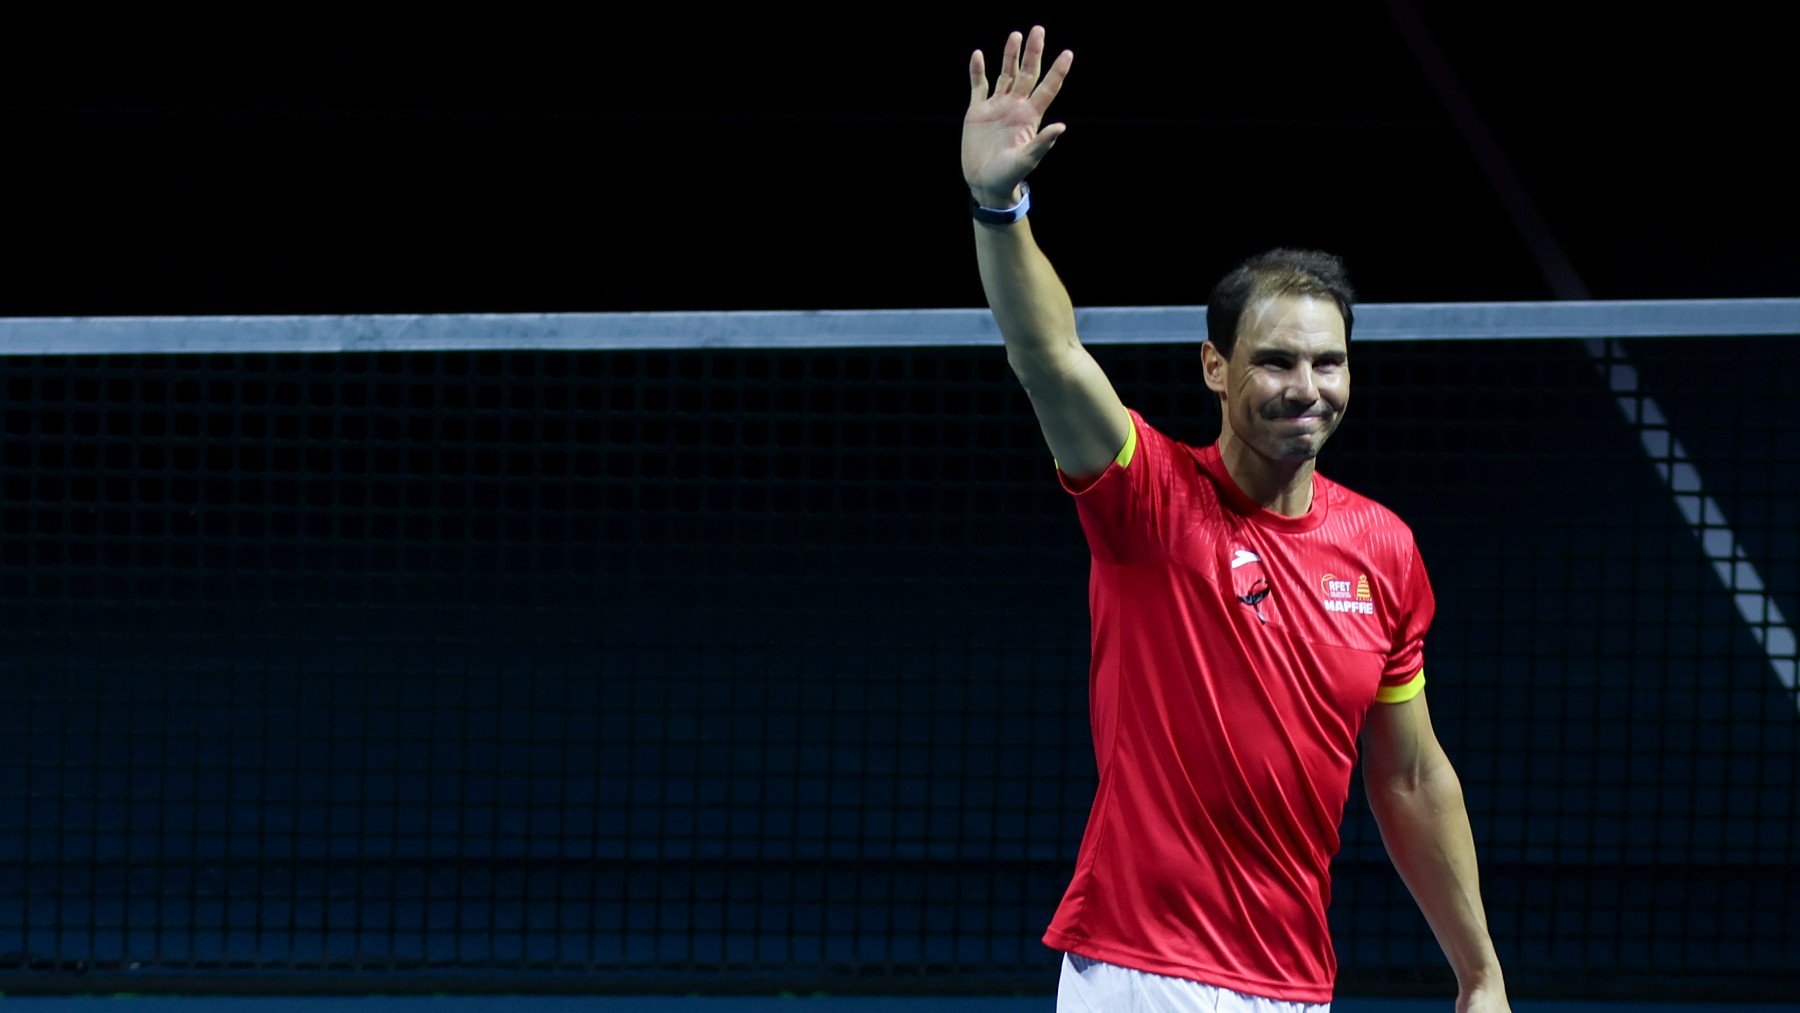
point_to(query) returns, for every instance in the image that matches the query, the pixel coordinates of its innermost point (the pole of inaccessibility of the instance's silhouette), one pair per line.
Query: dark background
(654, 157)
(762, 669)
(755, 670)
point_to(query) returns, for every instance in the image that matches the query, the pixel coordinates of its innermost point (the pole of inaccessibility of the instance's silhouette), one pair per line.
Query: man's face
(1287, 383)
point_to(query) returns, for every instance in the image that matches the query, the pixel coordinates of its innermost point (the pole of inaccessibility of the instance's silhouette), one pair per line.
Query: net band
(854, 328)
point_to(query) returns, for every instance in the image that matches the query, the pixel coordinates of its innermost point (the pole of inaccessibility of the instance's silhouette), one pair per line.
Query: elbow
(1045, 365)
(1426, 771)
(1436, 788)
(1404, 781)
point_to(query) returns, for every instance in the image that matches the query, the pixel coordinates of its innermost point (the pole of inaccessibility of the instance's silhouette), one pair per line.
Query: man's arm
(1083, 420)
(1418, 802)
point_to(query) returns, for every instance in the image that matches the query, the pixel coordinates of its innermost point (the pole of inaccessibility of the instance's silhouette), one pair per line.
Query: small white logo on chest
(1244, 557)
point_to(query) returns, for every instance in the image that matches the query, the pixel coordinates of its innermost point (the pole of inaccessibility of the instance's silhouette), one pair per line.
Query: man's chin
(1297, 452)
(1306, 446)
(1296, 446)
(1299, 448)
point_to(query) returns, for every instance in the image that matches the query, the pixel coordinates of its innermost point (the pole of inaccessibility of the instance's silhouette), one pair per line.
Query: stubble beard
(1302, 447)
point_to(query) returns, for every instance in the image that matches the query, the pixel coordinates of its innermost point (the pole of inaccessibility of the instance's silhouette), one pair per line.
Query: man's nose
(1303, 385)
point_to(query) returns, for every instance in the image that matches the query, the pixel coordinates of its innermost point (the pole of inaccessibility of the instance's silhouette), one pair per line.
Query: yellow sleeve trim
(1125, 455)
(1124, 458)
(1401, 694)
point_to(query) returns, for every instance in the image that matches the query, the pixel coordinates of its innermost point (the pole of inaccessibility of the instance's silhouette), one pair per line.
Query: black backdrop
(651, 159)
(311, 661)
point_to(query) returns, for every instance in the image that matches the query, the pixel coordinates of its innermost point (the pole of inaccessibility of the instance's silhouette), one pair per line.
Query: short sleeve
(1122, 510)
(1403, 677)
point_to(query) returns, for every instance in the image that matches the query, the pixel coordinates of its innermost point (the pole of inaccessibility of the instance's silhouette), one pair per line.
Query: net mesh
(765, 669)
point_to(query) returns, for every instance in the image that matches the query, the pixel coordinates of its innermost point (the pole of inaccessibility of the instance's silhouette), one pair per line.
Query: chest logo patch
(1248, 581)
(1341, 594)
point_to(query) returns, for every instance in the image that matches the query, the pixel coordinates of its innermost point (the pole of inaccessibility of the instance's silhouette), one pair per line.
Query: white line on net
(856, 328)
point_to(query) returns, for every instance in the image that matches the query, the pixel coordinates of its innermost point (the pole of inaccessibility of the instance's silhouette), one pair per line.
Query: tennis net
(747, 652)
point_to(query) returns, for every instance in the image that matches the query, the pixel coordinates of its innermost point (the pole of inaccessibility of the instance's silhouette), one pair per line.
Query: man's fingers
(1035, 149)
(1053, 81)
(1033, 61)
(1009, 64)
(1045, 139)
(1021, 63)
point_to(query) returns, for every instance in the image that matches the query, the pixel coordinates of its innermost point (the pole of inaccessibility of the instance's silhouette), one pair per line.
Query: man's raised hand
(1002, 140)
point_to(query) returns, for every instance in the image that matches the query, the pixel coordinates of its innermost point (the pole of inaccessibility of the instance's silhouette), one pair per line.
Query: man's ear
(1212, 364)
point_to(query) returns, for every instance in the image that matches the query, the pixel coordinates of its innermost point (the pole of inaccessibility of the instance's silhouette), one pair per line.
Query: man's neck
(1285, 487)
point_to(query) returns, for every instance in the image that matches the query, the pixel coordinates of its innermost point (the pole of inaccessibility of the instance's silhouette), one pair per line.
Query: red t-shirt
(1236, 653)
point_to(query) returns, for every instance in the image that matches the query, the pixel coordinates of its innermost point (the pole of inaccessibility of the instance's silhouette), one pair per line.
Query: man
(1250, 617)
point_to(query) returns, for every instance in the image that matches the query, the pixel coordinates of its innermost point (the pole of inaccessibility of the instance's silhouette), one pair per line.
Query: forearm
(1083, 421)
(1425, 826)
(1030, 304)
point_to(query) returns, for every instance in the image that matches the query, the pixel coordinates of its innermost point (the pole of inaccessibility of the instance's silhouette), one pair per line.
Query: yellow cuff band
(1124, 458)
(1401, 694)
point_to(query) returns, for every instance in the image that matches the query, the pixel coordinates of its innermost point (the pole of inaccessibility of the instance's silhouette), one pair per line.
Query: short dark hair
(1279, 272)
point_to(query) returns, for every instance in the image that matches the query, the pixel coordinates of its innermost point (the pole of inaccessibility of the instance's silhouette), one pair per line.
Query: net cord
(807, 329)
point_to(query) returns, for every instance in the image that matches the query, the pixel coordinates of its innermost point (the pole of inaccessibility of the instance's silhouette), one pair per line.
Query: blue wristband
(1003, 216)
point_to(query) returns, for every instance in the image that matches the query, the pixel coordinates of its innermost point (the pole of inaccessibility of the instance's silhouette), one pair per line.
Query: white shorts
(1092, 986)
